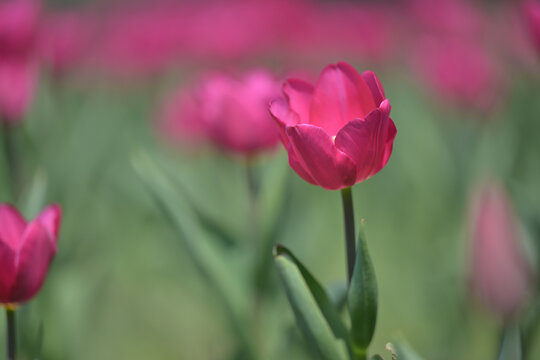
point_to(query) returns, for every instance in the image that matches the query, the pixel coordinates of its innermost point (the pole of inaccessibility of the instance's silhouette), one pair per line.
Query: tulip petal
(50, 219)
(35, 256)
(282, 114)
(340, 95)
(7, 275)
(299, 94)
(12, 225)
(318, 156)
(375, 86)
(368, 142)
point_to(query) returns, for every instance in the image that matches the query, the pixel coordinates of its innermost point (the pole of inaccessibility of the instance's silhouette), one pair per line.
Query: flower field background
(130, 281)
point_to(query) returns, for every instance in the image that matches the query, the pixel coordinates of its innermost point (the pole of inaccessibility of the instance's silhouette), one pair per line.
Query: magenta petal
(368, 142)
(12, 226)
(37, 252)
(340, 95)
(319, 157)
(50, 219)
(7, 271)
(282, 114)
(375, 86)
(299, 94)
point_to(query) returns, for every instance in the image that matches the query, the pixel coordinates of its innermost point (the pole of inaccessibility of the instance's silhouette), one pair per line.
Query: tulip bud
(26, 251)
(500, 275)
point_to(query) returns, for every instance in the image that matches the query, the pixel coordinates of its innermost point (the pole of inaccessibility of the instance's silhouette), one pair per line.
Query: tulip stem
(350, 243)
(10, 156)
(11, 339)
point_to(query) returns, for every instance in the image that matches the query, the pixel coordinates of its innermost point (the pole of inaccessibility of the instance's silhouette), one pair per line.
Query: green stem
(11, 339)
(350, 242)
(10, 154)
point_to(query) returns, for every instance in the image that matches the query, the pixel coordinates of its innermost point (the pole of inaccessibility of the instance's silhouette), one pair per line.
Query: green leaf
(316, 316)
(213, 262)
(34, 199)
(362, 299)
(511, 343)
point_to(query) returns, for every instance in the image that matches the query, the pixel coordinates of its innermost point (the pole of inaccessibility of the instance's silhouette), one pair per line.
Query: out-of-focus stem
(10, 153)
(11, 338)
(350, 242)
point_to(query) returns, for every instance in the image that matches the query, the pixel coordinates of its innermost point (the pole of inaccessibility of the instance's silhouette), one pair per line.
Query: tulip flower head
(338, 132)
(500, 275)
(230, 112)
(26, 250)
(18, 65)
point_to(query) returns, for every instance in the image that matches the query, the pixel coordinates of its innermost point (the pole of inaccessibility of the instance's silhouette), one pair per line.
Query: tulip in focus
(26, 250)
(339, 132)
(231, 112)
(500, 274)
(18, 65)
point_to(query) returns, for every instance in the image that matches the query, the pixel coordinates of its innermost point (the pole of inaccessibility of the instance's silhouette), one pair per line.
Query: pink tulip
(339, 132)
(459, 71)
(26, 251)
(18, 67)
(64, 40)
(500, 274)
(532, 16)
(230, 112)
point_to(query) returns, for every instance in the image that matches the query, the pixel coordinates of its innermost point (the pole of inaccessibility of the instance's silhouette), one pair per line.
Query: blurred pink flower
(531, 10)
(447, 17)
(18, 63)
(64, 40)
(357, 30)
(459, 71)
(26, 251)
(339, 132)
(500, 274)
(232, 113)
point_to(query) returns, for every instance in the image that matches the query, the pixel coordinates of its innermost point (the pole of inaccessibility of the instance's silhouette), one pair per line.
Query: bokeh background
(462, 78)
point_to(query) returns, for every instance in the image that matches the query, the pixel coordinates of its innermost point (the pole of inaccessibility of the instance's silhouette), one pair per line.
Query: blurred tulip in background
(19, 21)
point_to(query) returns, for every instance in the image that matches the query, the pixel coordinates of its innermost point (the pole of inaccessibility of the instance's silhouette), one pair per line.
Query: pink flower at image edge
(26, 251)
(339, 132)
(500, 274)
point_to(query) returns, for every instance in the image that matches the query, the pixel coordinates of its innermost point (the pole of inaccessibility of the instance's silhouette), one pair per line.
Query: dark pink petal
(12, 226)
(299, 94)
(7, 271)
(368, 142)
(283, 116)
(37, 252)
(375, 86)
(319, 157)
(341, 95)
(297, 166)
(50, 218)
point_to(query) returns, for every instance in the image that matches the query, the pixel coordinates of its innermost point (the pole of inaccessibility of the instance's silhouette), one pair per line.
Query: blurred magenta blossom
(339, 132)
(231, 112)
(460, 71)
(19, 22)
(26, 251)
(500, 274)
(65, 39)
(531, 9)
